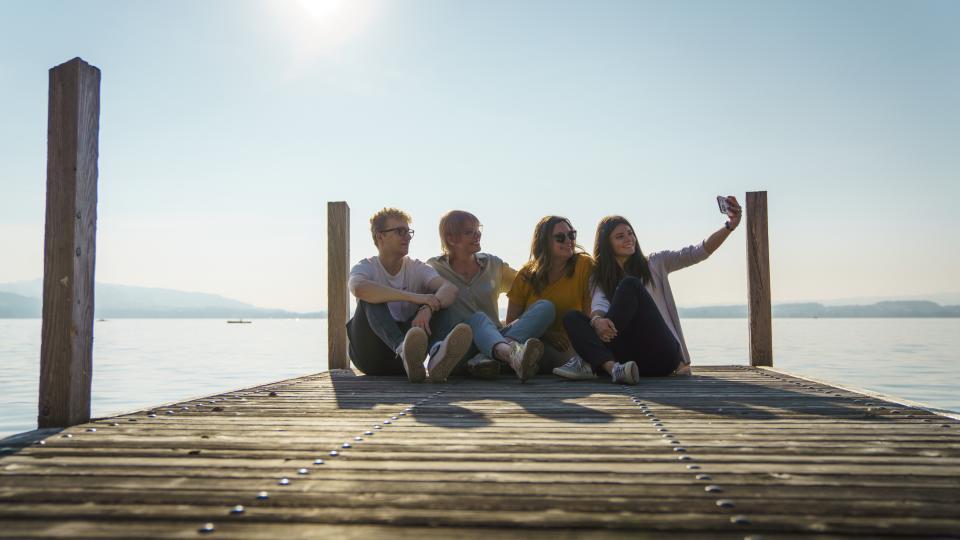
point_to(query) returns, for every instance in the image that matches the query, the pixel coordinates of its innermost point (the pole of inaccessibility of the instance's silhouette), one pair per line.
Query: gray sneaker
(449, 352)
(413, 351)
(575, 369)
(626, 373)
(482, 366)
(524, 358)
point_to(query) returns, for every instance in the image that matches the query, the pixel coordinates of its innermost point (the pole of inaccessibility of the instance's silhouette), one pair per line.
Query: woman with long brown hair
(558, 271)
(633, 329)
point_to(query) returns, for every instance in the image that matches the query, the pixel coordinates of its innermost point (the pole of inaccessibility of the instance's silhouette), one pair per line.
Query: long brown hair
(607, 274)
(536, 271)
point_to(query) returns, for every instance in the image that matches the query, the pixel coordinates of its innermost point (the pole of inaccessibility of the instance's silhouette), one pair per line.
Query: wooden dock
(730, 452)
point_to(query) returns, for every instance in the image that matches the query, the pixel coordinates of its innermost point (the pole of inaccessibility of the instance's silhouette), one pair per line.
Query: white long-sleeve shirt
(661, 264)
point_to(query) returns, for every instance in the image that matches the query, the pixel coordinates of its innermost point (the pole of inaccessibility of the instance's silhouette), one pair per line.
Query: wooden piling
(338, 297)
(758, 270)
(66, 350)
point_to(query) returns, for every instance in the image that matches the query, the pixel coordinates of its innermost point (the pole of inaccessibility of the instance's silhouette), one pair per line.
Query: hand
(429, 300)
(605, 329)
(422, 320)
(557, 340)
(734, 212)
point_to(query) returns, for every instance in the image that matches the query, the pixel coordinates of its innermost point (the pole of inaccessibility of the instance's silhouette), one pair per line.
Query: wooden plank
(66, 351)
(758, 274)
(471, 455)
(338, 298)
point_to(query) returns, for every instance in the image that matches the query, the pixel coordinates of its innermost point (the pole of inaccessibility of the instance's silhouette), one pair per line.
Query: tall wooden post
(338, 297)
(758, 269)
(66, 349)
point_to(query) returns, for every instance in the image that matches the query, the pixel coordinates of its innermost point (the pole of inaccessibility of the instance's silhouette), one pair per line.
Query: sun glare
(322, 9)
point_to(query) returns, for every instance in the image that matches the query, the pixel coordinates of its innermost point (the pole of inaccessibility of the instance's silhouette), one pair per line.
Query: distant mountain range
(807, 310)
(23, 300)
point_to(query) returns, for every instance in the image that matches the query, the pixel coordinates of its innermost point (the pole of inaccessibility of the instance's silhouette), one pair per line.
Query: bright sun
(322, 9)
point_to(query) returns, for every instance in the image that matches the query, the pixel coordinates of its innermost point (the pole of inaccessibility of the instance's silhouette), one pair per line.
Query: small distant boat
(239, 321)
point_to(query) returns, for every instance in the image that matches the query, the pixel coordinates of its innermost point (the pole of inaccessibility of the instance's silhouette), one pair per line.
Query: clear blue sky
(227, 125)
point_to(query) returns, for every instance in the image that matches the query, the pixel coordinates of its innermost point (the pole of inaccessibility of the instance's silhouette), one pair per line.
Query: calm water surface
(140, 363)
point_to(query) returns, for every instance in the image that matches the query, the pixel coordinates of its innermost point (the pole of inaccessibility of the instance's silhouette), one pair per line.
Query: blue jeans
(531, 324)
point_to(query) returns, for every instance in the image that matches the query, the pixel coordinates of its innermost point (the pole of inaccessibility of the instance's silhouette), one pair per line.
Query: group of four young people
(568, 313)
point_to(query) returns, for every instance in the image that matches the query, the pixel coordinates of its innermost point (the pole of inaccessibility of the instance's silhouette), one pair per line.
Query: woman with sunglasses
(634, 330)
(558, 271)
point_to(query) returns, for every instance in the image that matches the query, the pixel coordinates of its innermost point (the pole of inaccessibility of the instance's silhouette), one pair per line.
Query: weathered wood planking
(66, 350)
(475, 458)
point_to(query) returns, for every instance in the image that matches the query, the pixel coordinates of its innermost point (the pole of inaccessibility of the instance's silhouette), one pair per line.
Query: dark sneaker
(413, 351)
(482, 366)
(450, 352)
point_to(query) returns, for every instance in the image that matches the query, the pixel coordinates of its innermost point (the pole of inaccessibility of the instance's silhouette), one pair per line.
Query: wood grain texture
(338, 297)
(758, 274)
(471, 458)
(69, 245)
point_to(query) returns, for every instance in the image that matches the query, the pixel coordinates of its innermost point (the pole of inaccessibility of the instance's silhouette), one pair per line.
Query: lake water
(140, 363)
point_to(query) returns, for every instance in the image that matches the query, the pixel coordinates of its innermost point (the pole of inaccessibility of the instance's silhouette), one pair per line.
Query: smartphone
(722, 203)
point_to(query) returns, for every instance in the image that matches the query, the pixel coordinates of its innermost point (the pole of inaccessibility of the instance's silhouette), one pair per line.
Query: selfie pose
(559, 272)
(633, 329)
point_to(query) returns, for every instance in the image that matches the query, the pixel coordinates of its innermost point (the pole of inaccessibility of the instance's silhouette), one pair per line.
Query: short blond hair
(379, 220)
(452, 224)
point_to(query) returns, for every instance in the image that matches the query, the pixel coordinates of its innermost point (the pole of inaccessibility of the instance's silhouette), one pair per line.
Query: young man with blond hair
(481, 278)
(396, 299)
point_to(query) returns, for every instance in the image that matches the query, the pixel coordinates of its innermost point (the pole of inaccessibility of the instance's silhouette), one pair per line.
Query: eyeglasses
(401, 231)
(562, 237)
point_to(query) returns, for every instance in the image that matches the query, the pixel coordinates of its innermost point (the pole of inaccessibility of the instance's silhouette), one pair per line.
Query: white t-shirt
(414, 275)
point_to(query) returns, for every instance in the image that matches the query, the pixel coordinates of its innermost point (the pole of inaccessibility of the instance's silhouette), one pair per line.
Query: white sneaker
(575, 369)
(449, 352)
(524, 358)
(413, 351)
(627, 373)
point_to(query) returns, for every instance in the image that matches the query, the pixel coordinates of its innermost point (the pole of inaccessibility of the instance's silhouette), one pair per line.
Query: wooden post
(758, 269)
(66, 349)
(338, 297)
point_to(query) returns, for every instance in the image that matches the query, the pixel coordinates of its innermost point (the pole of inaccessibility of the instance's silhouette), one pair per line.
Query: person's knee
(543, 308)
(573, 318)
(631, 282)
(477, 319)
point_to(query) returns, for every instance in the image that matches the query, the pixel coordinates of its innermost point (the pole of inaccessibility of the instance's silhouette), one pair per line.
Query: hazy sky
(227, 125)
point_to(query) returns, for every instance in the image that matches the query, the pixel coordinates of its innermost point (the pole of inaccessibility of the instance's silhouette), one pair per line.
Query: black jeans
(374, 338)
(642, 334)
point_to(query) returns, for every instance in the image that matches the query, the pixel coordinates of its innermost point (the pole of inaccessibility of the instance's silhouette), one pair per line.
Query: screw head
(334, 453)
(263, 495)
(303, 471)
(679, 449)
(713, 489)
(358, 439)
(387, 422)
(318, 461)
(740, 520)
(693, 467)
(238, 509)
(284, 482)
(91, 430)
(683, 458)
(368, 433)
(206, 528)
(66, 436)
(725, 503)
(703, 477)
(346, 445)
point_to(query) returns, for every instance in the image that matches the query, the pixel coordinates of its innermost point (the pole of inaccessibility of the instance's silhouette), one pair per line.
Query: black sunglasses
(401, 231)
(562, 237)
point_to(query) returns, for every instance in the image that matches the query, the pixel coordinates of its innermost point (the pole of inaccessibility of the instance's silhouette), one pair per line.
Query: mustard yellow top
(567, 293)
